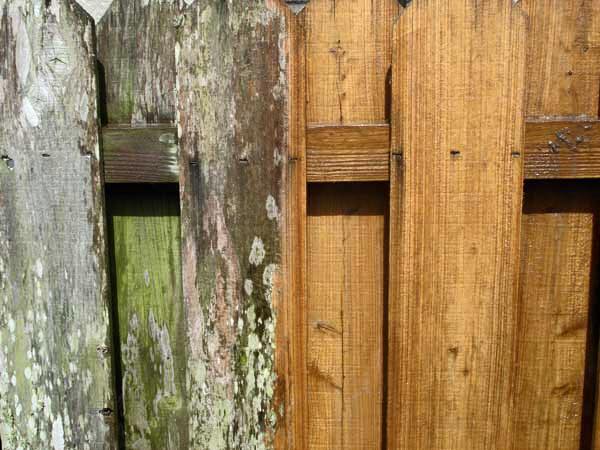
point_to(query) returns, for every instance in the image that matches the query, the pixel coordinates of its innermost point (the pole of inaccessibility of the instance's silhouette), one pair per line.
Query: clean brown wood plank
(290, 361)
(56, 365)
(562, 149)
(554, 305)
(348, 58)
(348, 153)
(563, 61)
(346, 231)
(455, 211)
(140, 155)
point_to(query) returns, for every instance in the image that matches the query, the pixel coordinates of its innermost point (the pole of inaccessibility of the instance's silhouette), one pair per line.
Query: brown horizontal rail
(140, 155)
(348, 153)
(562, 149)
(553, 149)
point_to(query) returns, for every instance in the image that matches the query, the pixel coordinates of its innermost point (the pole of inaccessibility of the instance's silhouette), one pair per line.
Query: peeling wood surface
(554, 303)
(563, 61)
(55, 354)
(348, 54)
(233, 117)
(140, 155)
(136, 50)
(455, 210)
(346, 234)
(144, 227)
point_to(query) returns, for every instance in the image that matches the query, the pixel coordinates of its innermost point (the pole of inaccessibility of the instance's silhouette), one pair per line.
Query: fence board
(55, 339)
(233, 109)
(455, 208)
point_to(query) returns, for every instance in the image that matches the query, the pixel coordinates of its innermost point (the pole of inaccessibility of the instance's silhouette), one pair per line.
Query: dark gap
(385, 326)
(102, 100)
(116, 195)
(388, 95)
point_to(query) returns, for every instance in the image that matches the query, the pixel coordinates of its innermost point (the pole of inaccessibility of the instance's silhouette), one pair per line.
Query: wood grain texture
(562, 149)
(140, 155)
(348, 153)
(554, 305)
(144, 228)
(55, 338)
(346, 230)
(348, 58)
(136, 51)
(233, 110)
(563, 60)
(290, 360)
(455, 209)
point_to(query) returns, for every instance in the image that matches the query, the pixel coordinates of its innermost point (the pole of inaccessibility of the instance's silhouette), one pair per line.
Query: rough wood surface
(140, 155)
(144, 227)
(455, 209)
(348, 57)
(55, 341)
(346, 231)
(358, 153)
(562, 149)
(554, 305)
(136, 51)
(563, 60)
(232, 77)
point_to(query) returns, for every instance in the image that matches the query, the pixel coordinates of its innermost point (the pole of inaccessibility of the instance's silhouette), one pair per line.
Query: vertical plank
(563, 68)
(458, 80)
(346, 230)
(136, 51)
(348, 59)
(554, 304)
(55, 338)
(233, 111)
(144, 227)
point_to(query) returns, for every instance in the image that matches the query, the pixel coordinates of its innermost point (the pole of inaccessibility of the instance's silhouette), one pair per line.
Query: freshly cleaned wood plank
(144, 228)
(140, 155)
(290, 359)
(56, 370)
(346, 231)
(455, 210)
(348, 153)
(562, 149)
(136, 55)
(348, 59)
(554, 306)
(563, 60)
(233, 110)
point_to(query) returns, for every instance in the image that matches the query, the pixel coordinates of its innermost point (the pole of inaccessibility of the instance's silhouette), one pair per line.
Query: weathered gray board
(55, 361)
(233, 118)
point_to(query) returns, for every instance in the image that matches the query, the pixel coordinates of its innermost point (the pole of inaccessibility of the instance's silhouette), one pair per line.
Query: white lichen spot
(257, 253)
(11, 325)
(29, 115)
(38, 268)
(58, 434)
(248, 287)
(23, 54)
(27, 373)
(272, 208)
(146, 278)
(84, 107)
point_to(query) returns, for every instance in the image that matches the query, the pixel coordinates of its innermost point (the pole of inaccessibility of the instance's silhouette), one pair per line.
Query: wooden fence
(335, 224)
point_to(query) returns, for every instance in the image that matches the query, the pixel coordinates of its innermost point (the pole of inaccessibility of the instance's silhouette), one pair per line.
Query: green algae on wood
(136, 50)
(56, 388)
(145, 229)
(232, 86)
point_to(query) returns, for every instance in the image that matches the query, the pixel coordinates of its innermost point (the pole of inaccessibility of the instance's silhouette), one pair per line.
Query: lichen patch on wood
(55, 386)
(232, 116)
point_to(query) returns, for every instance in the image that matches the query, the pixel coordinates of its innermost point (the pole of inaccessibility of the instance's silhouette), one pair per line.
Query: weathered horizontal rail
(558, 149)
(140, 155)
